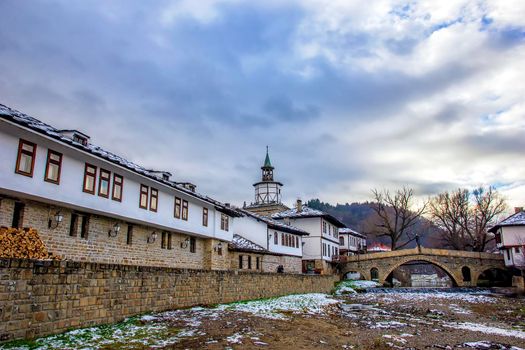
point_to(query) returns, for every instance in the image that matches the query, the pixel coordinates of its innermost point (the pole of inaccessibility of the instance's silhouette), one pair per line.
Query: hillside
(358, 216)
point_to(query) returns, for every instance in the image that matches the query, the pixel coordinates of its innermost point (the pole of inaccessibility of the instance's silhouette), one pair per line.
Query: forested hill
(358, 217)
(353, 215)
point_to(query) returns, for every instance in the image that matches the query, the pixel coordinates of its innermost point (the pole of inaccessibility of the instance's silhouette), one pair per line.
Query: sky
(348, 95)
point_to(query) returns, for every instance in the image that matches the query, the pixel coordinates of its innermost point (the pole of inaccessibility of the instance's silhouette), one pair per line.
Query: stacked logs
(23, 244)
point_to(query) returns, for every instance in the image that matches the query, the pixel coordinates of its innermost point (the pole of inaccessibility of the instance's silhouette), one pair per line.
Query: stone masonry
(99, 247)
(453, 262)
(39, 298)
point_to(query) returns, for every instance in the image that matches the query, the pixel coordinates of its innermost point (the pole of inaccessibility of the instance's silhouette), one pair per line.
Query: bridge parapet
(422, 251)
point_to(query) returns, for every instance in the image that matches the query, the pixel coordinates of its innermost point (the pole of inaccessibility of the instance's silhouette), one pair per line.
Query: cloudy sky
(349, 95)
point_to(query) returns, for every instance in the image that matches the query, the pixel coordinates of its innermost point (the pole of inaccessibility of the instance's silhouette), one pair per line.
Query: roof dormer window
(76, 136)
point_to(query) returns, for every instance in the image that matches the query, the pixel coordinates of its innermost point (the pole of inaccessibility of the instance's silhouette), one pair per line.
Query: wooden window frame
(177, 208)
(297, 243)
(163, 240)
(58, 163)
(86, 175)
(205, 217)
(73, 225)
(275, 238)
(142, 187)
(129, 235)
(107, 179)
(170, 241)
(185, 210)
(84, 230)
(249, 262)
(18, 215)
(151, 196)
(257, 263)
(115, 183)
(193, 245)
(225, 225)
(240, 262)
(21, 151)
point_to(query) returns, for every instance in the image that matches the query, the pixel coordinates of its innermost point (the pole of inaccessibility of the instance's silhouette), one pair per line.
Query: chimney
(518, 209)
(299, 205)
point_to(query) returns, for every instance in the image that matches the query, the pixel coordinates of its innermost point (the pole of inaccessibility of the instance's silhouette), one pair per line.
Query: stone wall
(38, 298)
(267, 262)
(98, 246)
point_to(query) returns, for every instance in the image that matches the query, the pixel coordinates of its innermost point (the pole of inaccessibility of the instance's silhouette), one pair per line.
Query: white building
(351, 242)
(321, 246)
(46, 173)
(510, 238)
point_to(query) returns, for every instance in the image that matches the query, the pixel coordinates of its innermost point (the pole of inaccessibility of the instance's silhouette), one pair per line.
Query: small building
(321, 246)
(510, 238)
(89, 204)
(267, 192)
(351, 242)
(282, 244)
(378, 247)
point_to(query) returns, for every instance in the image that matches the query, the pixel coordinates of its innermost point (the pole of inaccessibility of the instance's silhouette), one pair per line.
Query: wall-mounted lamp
(152, 237)
(114, 231)
(55, 220)
(184, 244)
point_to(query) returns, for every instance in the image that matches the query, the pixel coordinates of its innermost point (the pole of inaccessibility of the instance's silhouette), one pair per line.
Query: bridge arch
(456, 281)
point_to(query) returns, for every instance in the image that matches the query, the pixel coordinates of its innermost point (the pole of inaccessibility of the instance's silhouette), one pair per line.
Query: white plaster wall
(513, 235)
(252, 229)
(280, 248)
(69, 193)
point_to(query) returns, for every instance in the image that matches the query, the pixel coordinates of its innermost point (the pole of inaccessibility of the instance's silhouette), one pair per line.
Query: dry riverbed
(379, 320)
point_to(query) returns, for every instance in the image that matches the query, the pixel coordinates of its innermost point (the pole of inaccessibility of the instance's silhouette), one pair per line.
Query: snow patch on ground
(423, 297)
(351, 286)
(476, 327)
(312, 304)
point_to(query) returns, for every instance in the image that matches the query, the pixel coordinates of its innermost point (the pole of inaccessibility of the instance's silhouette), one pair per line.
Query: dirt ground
(371, 321)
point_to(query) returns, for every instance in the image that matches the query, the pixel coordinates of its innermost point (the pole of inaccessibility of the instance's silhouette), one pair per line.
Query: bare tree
(465, 216)
(395, 216)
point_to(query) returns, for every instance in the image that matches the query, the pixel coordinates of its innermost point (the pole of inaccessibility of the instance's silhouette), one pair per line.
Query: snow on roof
(43, 128)
(347, 230)
(306, 212)
(241, 243)
(516, 219)
(277, 225)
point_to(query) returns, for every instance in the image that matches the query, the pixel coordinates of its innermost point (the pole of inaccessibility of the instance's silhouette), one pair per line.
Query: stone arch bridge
(464, 268)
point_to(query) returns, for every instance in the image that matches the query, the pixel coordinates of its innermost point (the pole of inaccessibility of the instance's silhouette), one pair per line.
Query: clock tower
(267, 191)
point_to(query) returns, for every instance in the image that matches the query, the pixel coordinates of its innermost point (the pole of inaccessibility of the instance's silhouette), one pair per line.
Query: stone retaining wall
(39, 298)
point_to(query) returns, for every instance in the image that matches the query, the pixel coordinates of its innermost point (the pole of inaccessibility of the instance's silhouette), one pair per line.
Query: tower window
(25, 162)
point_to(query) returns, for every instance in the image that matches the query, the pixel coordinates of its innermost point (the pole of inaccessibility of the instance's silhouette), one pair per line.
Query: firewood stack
(23, 244)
